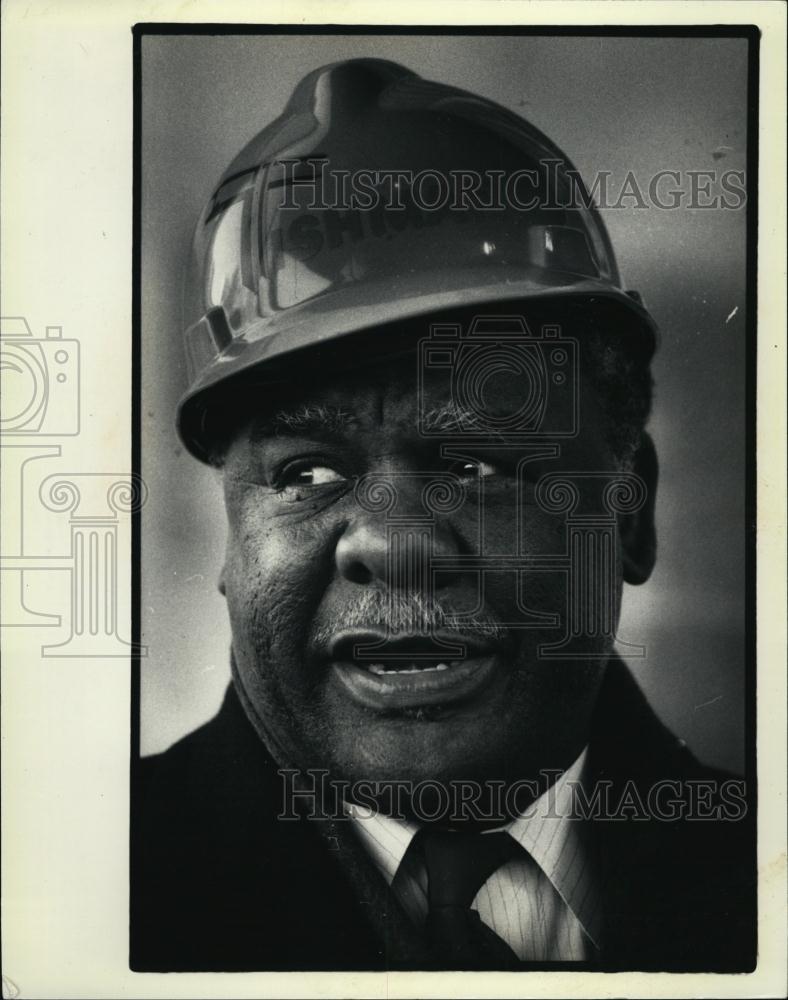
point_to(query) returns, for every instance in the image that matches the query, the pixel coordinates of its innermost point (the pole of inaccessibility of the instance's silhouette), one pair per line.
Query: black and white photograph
(394, 499)
(446, 368)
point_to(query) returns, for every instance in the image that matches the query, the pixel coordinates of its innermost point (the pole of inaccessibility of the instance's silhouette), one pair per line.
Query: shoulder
(678, 839)
(218, 881)
(209, 863)
(222, 762)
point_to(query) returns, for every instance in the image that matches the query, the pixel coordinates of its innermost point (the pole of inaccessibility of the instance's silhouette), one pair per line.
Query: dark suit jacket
(218, 883)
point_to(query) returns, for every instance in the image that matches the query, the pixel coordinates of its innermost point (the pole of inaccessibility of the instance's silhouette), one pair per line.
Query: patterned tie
(458, 864)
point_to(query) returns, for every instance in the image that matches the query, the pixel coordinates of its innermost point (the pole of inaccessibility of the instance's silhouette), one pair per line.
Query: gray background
(612, 104)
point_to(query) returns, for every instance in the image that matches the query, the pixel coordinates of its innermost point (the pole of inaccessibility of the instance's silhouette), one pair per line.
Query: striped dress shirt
(544, 903)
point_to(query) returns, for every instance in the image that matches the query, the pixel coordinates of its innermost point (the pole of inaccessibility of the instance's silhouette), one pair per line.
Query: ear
(637, 531)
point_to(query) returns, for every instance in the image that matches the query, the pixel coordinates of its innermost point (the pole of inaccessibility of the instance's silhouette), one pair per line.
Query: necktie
(458, 864)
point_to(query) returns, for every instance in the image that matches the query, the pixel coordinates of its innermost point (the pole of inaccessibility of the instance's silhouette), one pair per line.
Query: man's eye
(310, 475)
(467, 468)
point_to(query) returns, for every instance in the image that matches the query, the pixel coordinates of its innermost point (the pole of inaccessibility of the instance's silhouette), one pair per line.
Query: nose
(394, 547)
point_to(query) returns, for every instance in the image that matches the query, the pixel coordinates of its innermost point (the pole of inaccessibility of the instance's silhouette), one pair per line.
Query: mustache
(407, 614)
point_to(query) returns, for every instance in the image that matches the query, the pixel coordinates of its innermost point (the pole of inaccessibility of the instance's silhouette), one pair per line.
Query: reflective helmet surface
(348, 213)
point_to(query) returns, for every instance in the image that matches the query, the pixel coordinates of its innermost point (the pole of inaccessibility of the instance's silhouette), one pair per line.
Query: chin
(527, 720)
(422, 745)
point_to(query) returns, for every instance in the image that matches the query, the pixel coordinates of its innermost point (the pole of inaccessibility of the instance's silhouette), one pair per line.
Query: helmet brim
(365, 306)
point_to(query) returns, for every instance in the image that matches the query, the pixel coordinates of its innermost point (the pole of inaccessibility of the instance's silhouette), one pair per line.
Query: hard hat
(359, 207)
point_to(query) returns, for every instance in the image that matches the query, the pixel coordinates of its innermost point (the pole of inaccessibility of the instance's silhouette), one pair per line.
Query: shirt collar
(548, 830)
(385, 838)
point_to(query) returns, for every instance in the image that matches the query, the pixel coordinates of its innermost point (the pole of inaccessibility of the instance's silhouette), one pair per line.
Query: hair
(615, 356)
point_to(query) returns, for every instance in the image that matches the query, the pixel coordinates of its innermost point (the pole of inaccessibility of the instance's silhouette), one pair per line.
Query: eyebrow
(309, 420)
(326, 421)
(450, 419)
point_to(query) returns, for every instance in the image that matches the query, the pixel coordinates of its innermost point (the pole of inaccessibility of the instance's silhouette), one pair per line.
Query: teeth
(378, 668)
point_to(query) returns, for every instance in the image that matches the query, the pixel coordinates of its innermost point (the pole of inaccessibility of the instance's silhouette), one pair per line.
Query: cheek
(523, 530)
(506, 520)
(275, 573)
(524, 600)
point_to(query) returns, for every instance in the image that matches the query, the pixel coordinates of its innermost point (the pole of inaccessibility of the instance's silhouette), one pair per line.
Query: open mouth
(416, 667)
(409, 654)
(382, 673)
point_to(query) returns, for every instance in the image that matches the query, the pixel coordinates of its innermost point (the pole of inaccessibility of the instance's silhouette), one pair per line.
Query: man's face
(313, 572)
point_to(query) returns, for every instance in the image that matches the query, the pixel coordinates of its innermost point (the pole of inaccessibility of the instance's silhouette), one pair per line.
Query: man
(426, 392)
